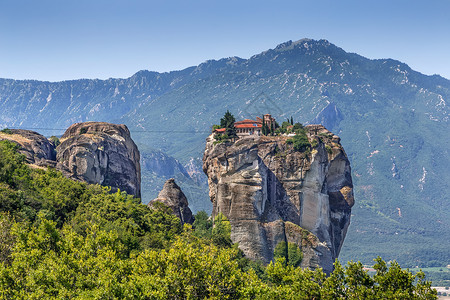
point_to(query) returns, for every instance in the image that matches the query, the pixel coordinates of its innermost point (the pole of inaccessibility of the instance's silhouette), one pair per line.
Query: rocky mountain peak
(304, 43)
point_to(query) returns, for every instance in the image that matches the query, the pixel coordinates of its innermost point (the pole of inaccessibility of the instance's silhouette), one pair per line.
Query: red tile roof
(252, 125)
(220, 130)
(248, 121)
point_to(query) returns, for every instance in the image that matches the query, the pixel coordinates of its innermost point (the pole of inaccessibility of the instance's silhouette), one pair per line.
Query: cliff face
(271, 193)
(103, 153)
(39, 151)
(172, 196)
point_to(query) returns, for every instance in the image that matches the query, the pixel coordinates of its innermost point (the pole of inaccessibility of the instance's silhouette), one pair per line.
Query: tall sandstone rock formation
(271, 193)
(172, 196)
(103, 153)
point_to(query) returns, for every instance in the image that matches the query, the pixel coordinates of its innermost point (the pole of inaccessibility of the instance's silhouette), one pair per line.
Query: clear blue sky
(62, 39)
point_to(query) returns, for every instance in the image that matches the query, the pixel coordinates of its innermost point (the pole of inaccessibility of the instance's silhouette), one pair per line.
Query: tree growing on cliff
(228, 122)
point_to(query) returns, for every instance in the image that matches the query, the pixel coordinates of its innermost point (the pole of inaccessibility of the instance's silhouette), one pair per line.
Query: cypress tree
(228, 122)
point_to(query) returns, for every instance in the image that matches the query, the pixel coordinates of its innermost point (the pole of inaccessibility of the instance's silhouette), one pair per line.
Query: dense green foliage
(61, 239)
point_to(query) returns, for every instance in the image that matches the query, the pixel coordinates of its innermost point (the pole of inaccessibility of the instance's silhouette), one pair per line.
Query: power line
(132, 131)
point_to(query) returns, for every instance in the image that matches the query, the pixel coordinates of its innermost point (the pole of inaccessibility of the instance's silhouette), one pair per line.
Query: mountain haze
(392, 120)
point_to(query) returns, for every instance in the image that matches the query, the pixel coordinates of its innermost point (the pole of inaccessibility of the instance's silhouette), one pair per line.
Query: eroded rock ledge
(271, 193)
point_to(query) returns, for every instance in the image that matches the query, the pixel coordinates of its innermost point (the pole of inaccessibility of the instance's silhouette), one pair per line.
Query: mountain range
(392, 120)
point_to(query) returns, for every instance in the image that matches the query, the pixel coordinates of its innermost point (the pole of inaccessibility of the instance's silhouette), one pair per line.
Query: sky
(57, 40)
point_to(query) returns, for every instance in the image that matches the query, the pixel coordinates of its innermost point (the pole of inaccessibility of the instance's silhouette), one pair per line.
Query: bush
(300, 142)
(298, 127)
(221, 138)
(56, 142)
(215, 126)
(6, 131)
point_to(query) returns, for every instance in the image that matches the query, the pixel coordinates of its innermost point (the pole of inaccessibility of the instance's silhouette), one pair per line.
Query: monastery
(251, 127)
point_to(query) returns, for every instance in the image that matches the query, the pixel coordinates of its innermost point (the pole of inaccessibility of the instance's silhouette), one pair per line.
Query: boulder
(39, 151)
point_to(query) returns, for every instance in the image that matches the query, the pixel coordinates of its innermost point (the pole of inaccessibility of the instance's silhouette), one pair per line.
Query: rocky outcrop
(172, 196)
(272, 193)
(39, 151)
(103, 153)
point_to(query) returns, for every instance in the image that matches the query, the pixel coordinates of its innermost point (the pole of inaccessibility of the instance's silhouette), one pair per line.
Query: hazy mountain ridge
(393, 122)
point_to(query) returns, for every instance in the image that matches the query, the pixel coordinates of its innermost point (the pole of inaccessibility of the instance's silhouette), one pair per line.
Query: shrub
(291, 253)
(300, 142)
(221, 138)
(328, 148)
(55, 140)
(298, 127)
(6, 131)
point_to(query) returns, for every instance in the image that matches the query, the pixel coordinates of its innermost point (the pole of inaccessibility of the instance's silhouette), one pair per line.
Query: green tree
(280, 251)
(265, 129)
(300, 142)
(227, 122)
(221, 232)
(202, 225)
(295, 255)
(290, 252)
